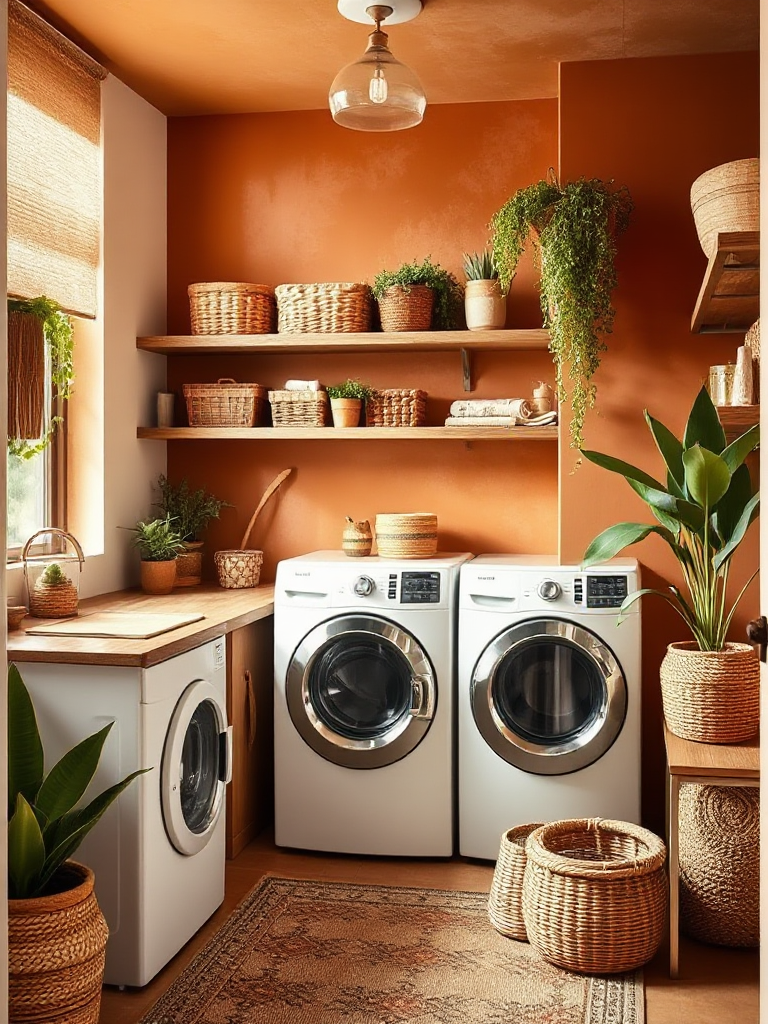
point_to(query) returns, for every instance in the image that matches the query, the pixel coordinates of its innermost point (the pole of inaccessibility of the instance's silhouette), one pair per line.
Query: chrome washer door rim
(580, 750)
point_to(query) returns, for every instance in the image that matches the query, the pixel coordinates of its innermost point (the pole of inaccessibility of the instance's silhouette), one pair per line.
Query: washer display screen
(420, 588)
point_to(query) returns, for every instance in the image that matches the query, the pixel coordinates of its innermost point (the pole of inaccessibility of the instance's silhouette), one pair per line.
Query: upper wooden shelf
(738, 418)
(729, 299)
(349, 433)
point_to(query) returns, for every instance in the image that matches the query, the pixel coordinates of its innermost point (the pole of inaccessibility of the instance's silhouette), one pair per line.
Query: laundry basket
(505, 899)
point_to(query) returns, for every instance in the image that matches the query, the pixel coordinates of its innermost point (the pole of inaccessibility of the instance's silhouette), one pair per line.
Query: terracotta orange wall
(293, 198)
(654, 125)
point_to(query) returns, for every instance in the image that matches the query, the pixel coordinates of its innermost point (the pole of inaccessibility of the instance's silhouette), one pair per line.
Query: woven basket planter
(299, 408)
(226, 404)
(726, 198)
(335, 307)
(595, 894)
(53, 601)
(720, 864)
(397, 407)
(238, 569)
(711, 696)
(505, 908)
(232, 307)
(56, 954)
(406, 308)
(408, 535)
(189, 564)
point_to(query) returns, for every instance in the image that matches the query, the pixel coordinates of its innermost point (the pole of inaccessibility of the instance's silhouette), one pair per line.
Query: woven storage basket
(231, 307)
(336, 307)
(238, 569)
(595, 894)
(711, 696)
(299, 408)
(406, 535)
(752, 338)
(720, 864)
(504, 901)
(56, 954)
(53, 601)
(226, 404)
(396, 407)
(726, 198)
(406, 309)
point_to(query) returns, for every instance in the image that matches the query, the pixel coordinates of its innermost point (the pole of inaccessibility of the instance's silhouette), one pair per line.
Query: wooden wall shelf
(738, 418)
(729, 299)
(348, 434)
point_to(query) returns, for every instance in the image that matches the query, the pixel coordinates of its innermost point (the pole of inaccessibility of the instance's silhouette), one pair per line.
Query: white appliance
(548, 696)
(158, 852)
(364, 704)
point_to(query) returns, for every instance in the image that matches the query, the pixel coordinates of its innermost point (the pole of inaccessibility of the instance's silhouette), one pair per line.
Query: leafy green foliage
(54, 576)
(350, 389)
(573, 229)
(158, 540)
(44, 828)
(190, 510)
(480, 266)
(58, 334)
(704, 511)
(449, 295)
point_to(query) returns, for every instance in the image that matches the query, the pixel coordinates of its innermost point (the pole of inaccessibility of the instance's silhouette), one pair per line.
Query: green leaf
(671, 450)
(69, 778)
(707, 477)
(730, 508)
(613, 540)
(704, 426)
(26, 851)
(25, 750)
(684, 511)
(624, 469)
(738, 450)
(748, 516)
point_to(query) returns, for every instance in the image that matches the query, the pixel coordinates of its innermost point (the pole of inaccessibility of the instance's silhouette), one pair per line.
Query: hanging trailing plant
(573, 228)
(58, 337)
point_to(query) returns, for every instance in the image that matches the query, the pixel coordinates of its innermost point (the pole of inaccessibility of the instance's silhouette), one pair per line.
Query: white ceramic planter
(485, 306)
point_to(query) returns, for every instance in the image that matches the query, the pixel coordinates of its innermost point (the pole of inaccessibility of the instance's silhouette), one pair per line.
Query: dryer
(158, 853)
(364, 704)
(549, 691)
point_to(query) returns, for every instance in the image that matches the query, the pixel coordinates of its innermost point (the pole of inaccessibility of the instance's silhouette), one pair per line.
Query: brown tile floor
(715, 986)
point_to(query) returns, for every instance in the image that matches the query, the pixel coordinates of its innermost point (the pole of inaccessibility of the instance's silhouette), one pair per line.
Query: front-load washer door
(361, 691)
(195, 767)
(548, 696)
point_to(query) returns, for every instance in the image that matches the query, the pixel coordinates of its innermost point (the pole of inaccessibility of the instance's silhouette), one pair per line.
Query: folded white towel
(303, 385)
(501, 421)
(518, 408)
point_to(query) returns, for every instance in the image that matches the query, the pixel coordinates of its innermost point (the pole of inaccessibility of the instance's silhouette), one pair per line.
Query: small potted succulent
(191, 512)
(54, 595)
(347, 401)
(419, 297)
(159, 543)
(485, 302)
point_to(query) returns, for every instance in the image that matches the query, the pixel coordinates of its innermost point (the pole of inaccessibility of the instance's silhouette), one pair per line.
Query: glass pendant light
(377, 93)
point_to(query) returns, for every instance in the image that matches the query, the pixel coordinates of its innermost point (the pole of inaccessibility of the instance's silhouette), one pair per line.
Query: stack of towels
(497, 412)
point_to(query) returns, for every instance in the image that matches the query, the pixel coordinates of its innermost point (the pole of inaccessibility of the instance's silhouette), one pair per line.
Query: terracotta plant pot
(485, 307)
(346, 411)
(189, 564)
(158, 577)
(711, 696)
(56, 953)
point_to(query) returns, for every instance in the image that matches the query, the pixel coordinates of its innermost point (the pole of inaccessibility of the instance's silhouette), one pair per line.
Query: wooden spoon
(264, 499)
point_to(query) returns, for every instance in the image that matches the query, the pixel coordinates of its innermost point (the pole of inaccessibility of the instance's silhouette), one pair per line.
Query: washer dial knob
(548, 590)
(363, 586)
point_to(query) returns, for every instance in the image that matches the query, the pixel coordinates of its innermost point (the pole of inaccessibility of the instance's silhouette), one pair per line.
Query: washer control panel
(420, 588)
(606, 591)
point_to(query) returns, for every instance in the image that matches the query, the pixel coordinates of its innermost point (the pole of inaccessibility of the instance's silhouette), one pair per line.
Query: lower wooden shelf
(348, 433)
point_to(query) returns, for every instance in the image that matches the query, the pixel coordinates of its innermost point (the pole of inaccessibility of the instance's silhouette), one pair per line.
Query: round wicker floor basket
(406, 308)
(711, 696)
(720, 864)
(505, 898)
(56, 954)
(406, 535)
(726, 198)
(594, 894)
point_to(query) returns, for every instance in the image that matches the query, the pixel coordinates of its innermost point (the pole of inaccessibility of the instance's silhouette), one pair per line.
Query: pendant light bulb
(378, 90)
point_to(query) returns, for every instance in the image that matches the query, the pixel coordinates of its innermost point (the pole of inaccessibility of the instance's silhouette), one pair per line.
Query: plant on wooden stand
(191, 512)
(485, 302)
(347, 401)
(710, 687)
(159, 543)
(573, 227)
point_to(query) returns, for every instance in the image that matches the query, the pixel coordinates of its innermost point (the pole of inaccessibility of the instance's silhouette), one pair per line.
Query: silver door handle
(422, 698)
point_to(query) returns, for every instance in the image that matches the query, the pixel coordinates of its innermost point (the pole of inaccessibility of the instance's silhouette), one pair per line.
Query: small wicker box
(226, 404)
(232, 307)
(406, 535)
(335, 307)
(299, 408)
(397, 407)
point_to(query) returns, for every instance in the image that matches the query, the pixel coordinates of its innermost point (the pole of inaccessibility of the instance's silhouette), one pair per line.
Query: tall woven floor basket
(505, 908)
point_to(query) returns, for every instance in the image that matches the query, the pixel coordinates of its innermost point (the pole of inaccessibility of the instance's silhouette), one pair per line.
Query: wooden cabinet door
(249, 708)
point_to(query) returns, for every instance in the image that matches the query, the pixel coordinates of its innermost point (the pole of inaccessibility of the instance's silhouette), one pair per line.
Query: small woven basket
(711, 696)
(504, 901)
(726, 198)
(335, 307)
(406, 535)
(299, 408)
(595, 894)
(226, 404)
(232, 307)
(396, 407)
(53, 600)
(752, 338)
(406, 308)
(238, 569)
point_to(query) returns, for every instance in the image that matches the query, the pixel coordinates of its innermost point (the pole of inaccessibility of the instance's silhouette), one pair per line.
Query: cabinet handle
(251, 708)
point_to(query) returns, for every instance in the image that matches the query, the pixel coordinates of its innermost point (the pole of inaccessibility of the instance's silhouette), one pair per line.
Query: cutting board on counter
(124, 625)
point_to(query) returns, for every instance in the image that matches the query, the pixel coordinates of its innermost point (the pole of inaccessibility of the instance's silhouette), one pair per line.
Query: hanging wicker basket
(406, 308)
(26, 376)
(505, 908)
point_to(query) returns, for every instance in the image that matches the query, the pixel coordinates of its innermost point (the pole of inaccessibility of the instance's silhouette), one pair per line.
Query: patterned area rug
(298, 952)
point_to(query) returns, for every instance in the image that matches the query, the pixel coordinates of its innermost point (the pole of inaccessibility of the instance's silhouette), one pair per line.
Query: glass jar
(721, 383)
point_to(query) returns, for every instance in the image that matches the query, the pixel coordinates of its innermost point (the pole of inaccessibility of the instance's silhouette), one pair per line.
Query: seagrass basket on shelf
(299, 408)
(406, 308)
(505, 898)
(52, 577)
(331, 307)
(232, 307)
(406, 535)
(226, 404)
(726, 198)
(594, 894)
(396, 407)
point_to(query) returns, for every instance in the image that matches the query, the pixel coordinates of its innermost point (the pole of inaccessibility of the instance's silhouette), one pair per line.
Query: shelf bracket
(466, 368)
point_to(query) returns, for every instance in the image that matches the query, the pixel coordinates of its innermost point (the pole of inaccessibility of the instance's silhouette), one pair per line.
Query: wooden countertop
(224, 611)
(718, 760)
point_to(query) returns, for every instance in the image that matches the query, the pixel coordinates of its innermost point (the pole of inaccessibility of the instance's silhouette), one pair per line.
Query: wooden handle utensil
(264, 499)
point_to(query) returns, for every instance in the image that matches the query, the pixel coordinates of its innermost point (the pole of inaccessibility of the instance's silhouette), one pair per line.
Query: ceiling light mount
(401, 11)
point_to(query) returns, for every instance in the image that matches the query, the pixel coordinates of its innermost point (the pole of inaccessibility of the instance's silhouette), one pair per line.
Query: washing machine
(158, 853)
(364, 704)
(548, 696)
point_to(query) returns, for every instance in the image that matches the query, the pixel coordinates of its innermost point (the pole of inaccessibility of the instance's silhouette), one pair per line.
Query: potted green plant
(54, 595)
(34, 325)
(710, 686)
(159, 543)
(56, 931)
(417, 297)
(191, 512)
(485, 303)
(347, 401)
(573, 227)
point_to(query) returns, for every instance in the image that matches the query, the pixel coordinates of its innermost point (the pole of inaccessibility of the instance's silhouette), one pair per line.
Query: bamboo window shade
(54, 172)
